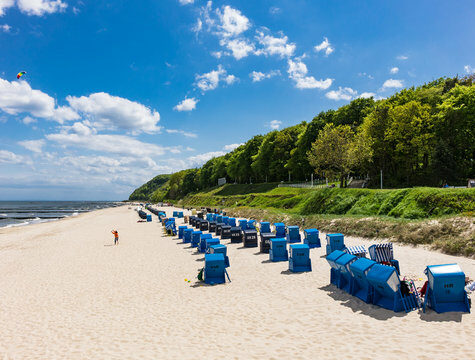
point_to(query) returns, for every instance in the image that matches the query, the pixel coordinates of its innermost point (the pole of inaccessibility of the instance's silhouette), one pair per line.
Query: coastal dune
(66, 292)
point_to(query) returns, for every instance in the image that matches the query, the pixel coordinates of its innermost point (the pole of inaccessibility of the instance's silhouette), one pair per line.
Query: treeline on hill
(422, 136)
(145, 192)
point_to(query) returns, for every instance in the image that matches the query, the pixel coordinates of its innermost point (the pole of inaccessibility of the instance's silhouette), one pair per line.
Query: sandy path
(66, 293)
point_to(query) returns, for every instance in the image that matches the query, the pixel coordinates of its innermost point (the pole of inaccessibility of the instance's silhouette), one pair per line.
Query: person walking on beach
(116, 237)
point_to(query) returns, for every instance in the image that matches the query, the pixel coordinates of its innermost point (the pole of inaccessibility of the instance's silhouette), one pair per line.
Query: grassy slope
(442, 218)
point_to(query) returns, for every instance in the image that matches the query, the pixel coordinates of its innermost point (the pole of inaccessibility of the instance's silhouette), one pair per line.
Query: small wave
(75, 213)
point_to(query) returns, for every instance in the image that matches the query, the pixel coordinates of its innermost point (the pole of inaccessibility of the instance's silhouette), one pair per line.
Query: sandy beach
(67, 293)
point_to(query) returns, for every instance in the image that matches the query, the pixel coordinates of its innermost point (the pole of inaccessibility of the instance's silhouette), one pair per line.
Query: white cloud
(468, 69)
(187, 104)
(257, 76)
(33, 145)
(210, 80)
(113, 112)
(274, 10)
(363, 74)
(198, 26)
(240, 48)
(325, 46)
(5, 4)
(217, 54)
(5, 27)
(29, 120)
(367, 95)
(402, 57)
(391, 83)
(186, 2)
(274, 45)
(7, 157)
(232, 21)
(184, 133)
(202, 158)
(41, 7)
(345, 93)
(231, 147)
(394, 70)
(298, 70)
(275, 124)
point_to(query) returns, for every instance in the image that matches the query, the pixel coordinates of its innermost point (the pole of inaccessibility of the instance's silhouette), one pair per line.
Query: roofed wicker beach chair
(383, 254)
(202, 243)
(358, 250)
(360, 286)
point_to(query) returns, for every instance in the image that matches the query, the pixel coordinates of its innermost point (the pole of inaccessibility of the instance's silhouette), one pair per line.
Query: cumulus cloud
(298, 73)
(240, 48)
(324, 46)
(187, 104)
(202, 158)
(211, 80)
(394, 70)
(392, 83)
(275, 124)
(182, 132)
(7, 157)
(232, 21)
(5, 27)
(367, 95)
(272, 45)
(468, 69)
(257, 76)
(345, 93)
(231, 147)
(186, 2)
(41, 7)
(113, 112)
(5, 4)
(27, 120)
(35, 146)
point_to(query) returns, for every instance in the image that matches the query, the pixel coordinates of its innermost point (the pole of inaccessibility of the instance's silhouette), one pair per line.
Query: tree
(330, 153)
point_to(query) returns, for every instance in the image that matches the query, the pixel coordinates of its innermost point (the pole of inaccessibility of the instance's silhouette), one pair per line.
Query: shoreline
(67, 292)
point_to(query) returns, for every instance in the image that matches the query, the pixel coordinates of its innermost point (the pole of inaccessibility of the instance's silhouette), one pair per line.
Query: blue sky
(119, 91)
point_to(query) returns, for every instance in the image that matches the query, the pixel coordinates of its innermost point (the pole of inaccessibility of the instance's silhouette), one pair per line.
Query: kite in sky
(20, 74)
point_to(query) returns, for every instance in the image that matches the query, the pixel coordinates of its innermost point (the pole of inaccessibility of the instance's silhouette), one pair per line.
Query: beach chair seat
(226, 232)
(358, 250)
(187, 235)
(249, 238)
(446, 289)
(220, 249)
(343, 263)
(195, 238)
(180, 231)
(214, 271)
(335, 242)
(387, 289)
(264, 245)
(312, 238)
(299, 258)
(360, 286)
(236, 235)
(278, 250)
(280, 231)
(384, 254)
(202, 244)
(293, 234)
(334, 268)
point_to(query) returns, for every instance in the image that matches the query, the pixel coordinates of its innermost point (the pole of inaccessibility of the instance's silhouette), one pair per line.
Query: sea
(20, 213)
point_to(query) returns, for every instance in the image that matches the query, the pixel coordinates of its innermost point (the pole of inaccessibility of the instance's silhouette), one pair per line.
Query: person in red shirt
(116, 237)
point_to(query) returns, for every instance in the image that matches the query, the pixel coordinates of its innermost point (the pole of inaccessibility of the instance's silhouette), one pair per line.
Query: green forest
(423, 136)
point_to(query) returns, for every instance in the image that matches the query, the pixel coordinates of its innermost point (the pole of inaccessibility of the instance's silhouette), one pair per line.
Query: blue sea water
(17, 213)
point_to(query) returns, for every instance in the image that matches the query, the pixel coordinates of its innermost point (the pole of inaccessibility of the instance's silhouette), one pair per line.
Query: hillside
(145, 192)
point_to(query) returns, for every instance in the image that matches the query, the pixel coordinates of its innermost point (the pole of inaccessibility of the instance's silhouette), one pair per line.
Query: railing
(314, 185)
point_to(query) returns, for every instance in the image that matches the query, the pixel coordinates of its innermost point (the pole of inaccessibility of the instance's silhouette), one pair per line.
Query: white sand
(66, 293)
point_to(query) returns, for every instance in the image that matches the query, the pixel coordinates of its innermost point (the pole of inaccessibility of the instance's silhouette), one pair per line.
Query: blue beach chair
(280, 230)
(278, 250)
(220, 249)
(180, 231)
(312, 238)
(149, 218)
(383, 254)
(334, 268)
(243, 224)
(232, 222)
(187, 235)
(343, 263)
(214, 271)
(251, 225)
(264, 227)
(446, 289)
(195, 238)
(202, 244)
(335, 242)
(293, 234)
(209, 242)
(299, 259)
(360, 286)
(387, 289)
